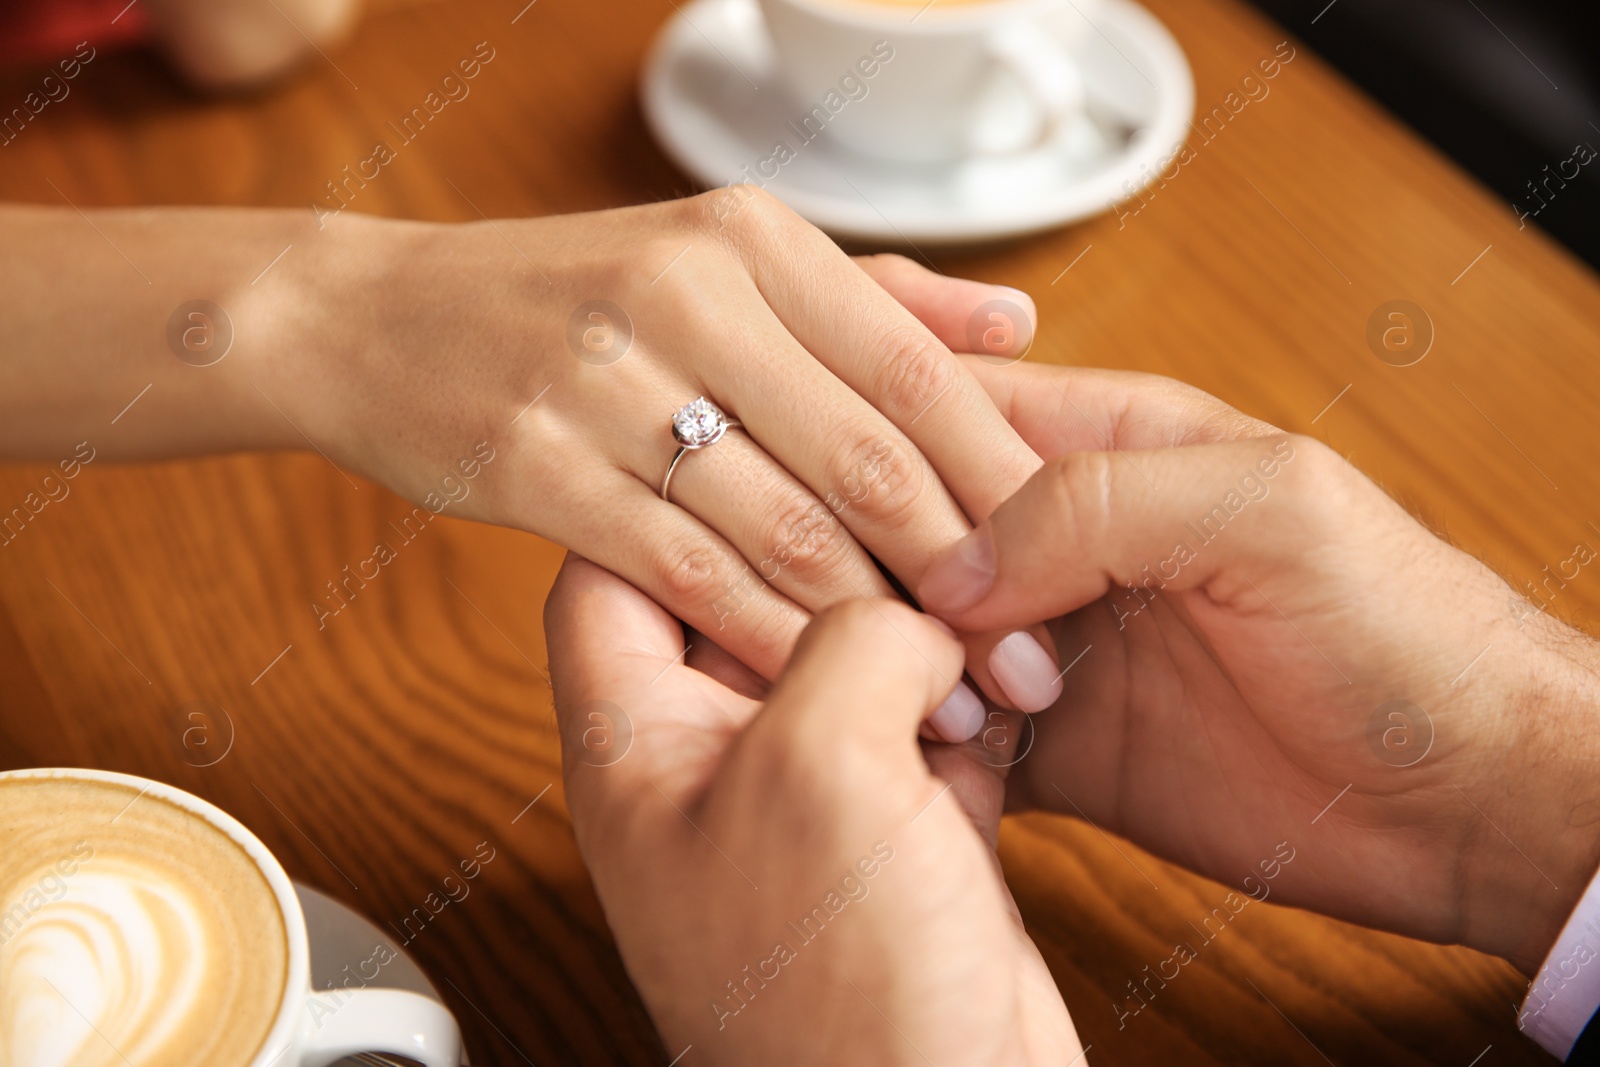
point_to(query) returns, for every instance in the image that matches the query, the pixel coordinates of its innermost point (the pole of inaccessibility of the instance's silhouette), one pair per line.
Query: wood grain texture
(374, 754)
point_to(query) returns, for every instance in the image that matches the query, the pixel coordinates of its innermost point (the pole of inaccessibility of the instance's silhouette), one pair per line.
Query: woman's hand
(567, 343)
(525, 372)
(788, 882)
(1276, 660)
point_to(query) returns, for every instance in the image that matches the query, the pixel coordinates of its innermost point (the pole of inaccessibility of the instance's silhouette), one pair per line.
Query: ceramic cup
(311, 1028)
(929, 84)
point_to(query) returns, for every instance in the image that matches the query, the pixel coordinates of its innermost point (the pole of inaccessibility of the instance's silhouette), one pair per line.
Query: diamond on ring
(695, 425)
(699, 423)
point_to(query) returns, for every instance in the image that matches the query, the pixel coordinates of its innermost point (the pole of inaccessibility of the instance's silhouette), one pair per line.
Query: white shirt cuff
(1566, 993)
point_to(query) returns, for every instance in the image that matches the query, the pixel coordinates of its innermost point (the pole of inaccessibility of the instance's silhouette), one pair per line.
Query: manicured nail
(962, 574)
(1019, 296)
(960, 717)
(1025, 671)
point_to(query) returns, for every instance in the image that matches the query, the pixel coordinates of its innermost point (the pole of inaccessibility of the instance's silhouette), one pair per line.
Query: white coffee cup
(918, 84)
(311, 1028)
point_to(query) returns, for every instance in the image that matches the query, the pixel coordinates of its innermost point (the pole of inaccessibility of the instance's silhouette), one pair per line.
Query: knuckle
(765, 208)
(704, 211)
(810, 542)
(690, 575)
(916, 371)
(725, 601)
(1322, 461)
(742, 213)
(1312, 494)
(1314, 474)
(882, 484)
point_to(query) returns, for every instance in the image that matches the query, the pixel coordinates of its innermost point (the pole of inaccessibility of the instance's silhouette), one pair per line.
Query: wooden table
(376, 754)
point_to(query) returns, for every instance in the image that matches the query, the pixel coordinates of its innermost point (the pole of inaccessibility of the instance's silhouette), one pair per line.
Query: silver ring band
(698, 424)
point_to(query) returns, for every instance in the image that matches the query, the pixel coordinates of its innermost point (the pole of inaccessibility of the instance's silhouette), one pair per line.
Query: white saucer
(341, 937)
(698, 99)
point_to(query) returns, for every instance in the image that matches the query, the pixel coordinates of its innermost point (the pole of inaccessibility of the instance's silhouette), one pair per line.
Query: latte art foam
(150, 941)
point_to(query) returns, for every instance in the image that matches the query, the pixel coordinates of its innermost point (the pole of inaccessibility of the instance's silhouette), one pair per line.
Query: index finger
(1058, 410)
(1169, 519)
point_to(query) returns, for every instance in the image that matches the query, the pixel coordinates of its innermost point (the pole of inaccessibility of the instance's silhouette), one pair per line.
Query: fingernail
(1025, 671)
(960, 716)
(961, 575)
(1020, 297)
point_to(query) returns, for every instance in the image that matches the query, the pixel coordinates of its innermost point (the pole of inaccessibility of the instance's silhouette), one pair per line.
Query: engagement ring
(697, 424)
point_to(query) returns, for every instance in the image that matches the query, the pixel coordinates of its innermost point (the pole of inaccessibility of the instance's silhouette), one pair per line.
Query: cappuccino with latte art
(133, 932)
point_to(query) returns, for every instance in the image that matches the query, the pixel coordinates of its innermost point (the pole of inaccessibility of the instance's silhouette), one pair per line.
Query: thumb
(1089, 522)
(868, 670)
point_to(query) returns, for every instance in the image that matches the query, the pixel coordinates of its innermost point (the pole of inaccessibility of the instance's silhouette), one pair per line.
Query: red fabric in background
(44, 31)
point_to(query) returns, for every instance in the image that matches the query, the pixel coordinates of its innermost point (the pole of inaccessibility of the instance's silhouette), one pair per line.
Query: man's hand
(788, 880)
(1273, 651)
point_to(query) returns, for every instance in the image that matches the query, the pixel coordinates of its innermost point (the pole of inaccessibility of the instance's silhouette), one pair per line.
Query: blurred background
(1507, 88)
(1504, 87)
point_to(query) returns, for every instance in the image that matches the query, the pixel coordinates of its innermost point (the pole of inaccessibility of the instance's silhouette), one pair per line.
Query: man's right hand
(1277, 660)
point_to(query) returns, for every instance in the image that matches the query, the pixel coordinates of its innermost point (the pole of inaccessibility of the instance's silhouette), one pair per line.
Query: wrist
(400, 355)
(329, 321)
(265, 280)
(1524, 872)
(297, 318)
